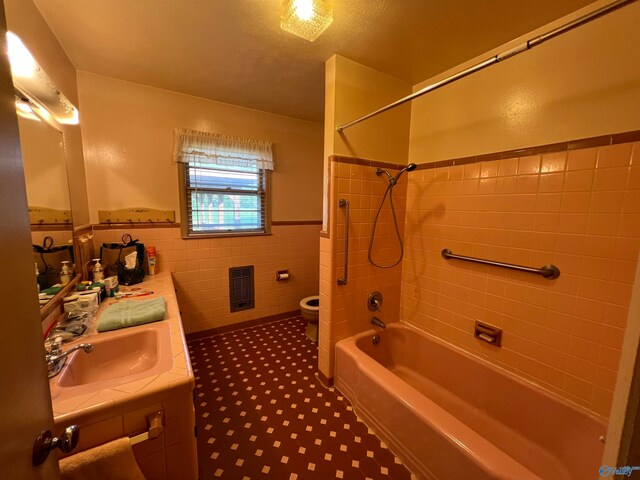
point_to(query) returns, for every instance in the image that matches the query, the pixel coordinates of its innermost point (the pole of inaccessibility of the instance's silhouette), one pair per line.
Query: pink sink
(118, 357)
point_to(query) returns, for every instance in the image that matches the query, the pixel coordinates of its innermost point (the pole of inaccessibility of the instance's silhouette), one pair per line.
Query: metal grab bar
(345, 203)
(549, 272)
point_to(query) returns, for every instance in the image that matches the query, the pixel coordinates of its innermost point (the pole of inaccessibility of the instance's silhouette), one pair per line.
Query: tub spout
(378, 323)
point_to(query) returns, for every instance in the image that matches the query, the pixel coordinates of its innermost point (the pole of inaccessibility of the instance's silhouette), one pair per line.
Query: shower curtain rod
(529, 44)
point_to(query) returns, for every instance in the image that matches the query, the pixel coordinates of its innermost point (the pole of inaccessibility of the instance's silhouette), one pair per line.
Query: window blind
(225, 185)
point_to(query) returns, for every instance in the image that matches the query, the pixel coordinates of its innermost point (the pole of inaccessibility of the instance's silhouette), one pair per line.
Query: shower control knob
(374, 304)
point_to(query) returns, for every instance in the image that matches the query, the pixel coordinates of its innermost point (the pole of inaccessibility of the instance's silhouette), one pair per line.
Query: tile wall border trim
(589, 142)
(120, 226)
(82, 229)
(364, 162)
(240, 325)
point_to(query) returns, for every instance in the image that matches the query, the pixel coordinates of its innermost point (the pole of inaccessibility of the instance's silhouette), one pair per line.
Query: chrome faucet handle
(374, 304)
(55, 361)
(53, 346)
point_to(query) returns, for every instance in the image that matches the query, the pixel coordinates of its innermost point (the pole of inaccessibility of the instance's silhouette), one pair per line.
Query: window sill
(200, 236)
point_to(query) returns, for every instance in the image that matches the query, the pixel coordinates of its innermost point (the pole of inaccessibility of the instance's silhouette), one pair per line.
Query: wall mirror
(42, 110)
(45, 171)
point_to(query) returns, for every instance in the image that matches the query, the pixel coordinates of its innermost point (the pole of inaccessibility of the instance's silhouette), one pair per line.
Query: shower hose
(388, 192)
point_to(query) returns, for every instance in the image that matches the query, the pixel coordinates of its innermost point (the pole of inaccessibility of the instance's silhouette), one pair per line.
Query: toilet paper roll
(282, 276)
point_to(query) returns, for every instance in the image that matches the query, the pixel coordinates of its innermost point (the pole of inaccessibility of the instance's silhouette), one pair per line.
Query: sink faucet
(56, 358)
(378, 323)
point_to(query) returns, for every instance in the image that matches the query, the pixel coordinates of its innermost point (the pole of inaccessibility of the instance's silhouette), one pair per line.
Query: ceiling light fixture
(306, 18)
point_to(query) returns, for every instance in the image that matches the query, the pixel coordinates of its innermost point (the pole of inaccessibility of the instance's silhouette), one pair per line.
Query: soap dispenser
(97, 271)
(65, 274)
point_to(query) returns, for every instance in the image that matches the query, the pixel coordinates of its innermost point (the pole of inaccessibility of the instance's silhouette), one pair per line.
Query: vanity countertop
(75, 405)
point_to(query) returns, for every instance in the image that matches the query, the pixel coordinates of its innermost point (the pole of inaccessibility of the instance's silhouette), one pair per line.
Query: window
(224, 184)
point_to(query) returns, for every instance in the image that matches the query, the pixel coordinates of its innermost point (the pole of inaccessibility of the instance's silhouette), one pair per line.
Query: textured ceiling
(234, 51)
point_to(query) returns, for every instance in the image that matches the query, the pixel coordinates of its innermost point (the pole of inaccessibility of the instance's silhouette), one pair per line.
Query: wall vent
(241, 289)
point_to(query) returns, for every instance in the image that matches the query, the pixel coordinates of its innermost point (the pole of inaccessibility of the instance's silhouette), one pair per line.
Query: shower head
(394, 180)
(380, 171)
(409, 168)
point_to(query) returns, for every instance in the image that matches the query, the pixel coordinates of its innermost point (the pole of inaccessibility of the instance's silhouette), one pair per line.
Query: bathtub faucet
(378, 323)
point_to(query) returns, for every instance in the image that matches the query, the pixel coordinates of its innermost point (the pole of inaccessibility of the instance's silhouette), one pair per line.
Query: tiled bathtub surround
(200, 270)
(343, 308)
(579, 210)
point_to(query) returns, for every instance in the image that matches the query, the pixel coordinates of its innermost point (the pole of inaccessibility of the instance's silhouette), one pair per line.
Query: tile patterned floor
(262, 414)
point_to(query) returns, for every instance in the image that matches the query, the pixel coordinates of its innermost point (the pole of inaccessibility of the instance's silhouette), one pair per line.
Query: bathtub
(450, 415)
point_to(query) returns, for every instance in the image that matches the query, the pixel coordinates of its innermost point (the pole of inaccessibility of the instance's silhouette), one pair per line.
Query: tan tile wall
(200, 270)
(579, 210)
(343, 308)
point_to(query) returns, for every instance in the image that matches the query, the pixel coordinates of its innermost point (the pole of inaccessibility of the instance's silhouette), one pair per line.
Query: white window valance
(223, 150)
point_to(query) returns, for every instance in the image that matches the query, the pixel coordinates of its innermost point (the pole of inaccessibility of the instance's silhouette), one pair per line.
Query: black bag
(49, 259)
(112, 259)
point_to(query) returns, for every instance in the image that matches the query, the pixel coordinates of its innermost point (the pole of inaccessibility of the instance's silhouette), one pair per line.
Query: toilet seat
(310, 309)
(305, 303)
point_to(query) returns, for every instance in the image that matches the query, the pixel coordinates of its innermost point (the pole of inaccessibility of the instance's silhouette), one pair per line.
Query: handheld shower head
(409, 168)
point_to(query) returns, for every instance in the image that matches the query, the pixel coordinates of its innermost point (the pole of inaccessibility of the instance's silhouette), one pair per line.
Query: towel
(111, 461)
(129, 313)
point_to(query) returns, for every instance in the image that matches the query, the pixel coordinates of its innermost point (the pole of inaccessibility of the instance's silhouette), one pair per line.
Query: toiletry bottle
(97, 271)
(37, 275)
(65, 274)
(151, 261)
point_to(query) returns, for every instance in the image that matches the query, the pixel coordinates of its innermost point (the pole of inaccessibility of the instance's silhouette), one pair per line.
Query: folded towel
(111, 461)
(51, 290)
(129, 313)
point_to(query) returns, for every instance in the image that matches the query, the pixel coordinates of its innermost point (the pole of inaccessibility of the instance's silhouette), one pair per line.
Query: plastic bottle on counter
(151, 261)
(97, 271)
(65, 274)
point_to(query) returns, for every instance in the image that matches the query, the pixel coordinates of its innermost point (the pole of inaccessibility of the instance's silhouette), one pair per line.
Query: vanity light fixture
(44, 98)
(23, 108)
(23, 65)
(306, 18)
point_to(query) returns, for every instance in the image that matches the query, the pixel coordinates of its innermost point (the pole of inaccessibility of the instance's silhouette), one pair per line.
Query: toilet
(310, 307)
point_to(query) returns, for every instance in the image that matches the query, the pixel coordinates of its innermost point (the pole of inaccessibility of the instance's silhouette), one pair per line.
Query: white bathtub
(450, 415)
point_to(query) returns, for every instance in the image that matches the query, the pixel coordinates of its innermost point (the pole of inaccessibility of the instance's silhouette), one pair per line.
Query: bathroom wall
(128, 139)
(352, 90)
(24, 19)
(128, 132)
(576, 207)
(581, 84)
(573, 203)
(200, 270)
(344, 309)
